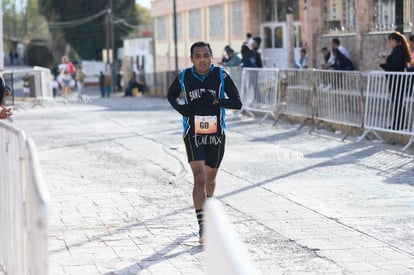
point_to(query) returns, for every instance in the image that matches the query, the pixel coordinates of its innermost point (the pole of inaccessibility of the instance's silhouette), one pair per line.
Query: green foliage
(89, 39)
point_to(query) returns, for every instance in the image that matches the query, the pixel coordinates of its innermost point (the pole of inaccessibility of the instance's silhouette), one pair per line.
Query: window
(216, 20)
(195, 23)
(385, 15)
(275, 10)
(161, 28)
(179, 26)
(237, 18)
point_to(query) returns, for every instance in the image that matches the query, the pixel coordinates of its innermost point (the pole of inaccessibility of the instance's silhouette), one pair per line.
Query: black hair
(249, 35)
(200, 44)
(411, 38)
(324, 49)
(336, 41)
(400, 38)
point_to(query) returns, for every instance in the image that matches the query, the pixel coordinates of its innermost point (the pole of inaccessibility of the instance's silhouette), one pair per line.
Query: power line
(74, 23)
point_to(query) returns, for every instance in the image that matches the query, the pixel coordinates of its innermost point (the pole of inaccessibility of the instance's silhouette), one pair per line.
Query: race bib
(205, 124)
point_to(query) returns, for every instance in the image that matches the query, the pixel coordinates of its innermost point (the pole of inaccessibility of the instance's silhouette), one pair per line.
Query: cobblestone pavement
(301, 203)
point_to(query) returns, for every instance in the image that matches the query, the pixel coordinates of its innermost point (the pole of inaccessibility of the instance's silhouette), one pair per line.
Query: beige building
(361, 26)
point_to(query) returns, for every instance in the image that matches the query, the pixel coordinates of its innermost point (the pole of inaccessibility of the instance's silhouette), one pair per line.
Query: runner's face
(201, 59)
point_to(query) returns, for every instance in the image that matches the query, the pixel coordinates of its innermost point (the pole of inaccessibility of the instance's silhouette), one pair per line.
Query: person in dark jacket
(256, 45)
(342, 62)
(4, 91)
(397, 62)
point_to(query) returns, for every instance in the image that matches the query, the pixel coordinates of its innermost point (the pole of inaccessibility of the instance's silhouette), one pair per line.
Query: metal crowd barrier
(259, 91)
(30, 83)
(297, 93)
(225, 254)
(23, 206)
(389, 104)
(339, 97)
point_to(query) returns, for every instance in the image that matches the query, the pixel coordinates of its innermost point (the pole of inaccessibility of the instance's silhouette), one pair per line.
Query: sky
(145, 3)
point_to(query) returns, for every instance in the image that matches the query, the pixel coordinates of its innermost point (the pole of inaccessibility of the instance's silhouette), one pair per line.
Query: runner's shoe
(201, 238)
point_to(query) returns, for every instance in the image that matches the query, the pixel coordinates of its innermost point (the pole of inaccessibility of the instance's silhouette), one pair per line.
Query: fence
(340, 97)
(389, 104)
(225, 254)
(297, 93)
(258, 90)
(23, 206)
(34, 83)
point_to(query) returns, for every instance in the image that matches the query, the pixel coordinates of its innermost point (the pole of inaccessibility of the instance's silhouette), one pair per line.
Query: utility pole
(113, 64)
(175, 37)
(1, 37)
(110, 45)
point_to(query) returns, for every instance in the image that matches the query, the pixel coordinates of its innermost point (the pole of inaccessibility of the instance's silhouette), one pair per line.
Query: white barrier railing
(225, 254)
(389, 104)
(23, 206)
(339, 97)
(259, 90)
(297, 93)
(32, 83)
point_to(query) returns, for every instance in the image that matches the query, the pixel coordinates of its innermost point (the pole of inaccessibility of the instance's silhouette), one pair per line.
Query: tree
(88, 39)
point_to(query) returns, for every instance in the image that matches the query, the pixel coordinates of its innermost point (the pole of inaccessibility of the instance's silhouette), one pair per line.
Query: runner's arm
(233, 101)
(173, 94)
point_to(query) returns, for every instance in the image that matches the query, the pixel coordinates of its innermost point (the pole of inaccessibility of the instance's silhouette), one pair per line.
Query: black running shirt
(200, 115)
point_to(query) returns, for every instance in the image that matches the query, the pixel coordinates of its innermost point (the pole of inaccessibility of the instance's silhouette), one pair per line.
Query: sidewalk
(303, 204)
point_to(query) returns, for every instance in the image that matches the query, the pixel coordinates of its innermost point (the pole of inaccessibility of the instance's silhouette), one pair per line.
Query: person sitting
(303, 61)
(233, 59)
(341, 61)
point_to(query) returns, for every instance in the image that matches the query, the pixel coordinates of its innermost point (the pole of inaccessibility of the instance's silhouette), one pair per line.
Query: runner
(205, 87)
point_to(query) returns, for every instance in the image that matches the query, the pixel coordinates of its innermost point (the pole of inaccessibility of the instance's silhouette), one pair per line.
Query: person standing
(303, 61)
(397, 62)
(102, 83)
(4, 91)
(209, 90)
(66, 69)
(256, 53)
(80, 80)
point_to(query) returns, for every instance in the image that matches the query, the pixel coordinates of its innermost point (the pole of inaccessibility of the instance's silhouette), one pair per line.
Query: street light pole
(175, 37)
(112, 62)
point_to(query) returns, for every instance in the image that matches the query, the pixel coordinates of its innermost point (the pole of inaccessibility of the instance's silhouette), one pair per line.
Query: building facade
(284, 25)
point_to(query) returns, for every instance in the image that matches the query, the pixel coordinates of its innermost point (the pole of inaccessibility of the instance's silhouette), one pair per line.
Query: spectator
(303, 61)
(256, 53)
(342, 63)
(102, 83)
(142, 83)
(336, 44)
(397, 62)
(249, 40)
(66, 69)
(80, 79)
(248, 60)
(225, 57)
(107, 84)
(4, 91)
(132, 83)
(328, 58)
(233, 59)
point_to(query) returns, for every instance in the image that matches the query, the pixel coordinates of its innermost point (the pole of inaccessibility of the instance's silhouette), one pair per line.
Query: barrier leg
(411, 141)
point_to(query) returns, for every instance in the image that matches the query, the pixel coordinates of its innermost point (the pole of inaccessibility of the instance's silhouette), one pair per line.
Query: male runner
(208, 91)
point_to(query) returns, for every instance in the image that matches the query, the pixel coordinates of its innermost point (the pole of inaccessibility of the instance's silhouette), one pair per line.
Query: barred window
(237, 18)
(161, 28)
(216, 20)
(195, 23)
(385, 15)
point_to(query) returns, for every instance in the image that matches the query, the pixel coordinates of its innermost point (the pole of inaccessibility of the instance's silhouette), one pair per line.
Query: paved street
(301, 203)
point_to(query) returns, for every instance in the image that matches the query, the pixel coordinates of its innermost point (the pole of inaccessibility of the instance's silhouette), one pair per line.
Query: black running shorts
(209, 148)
